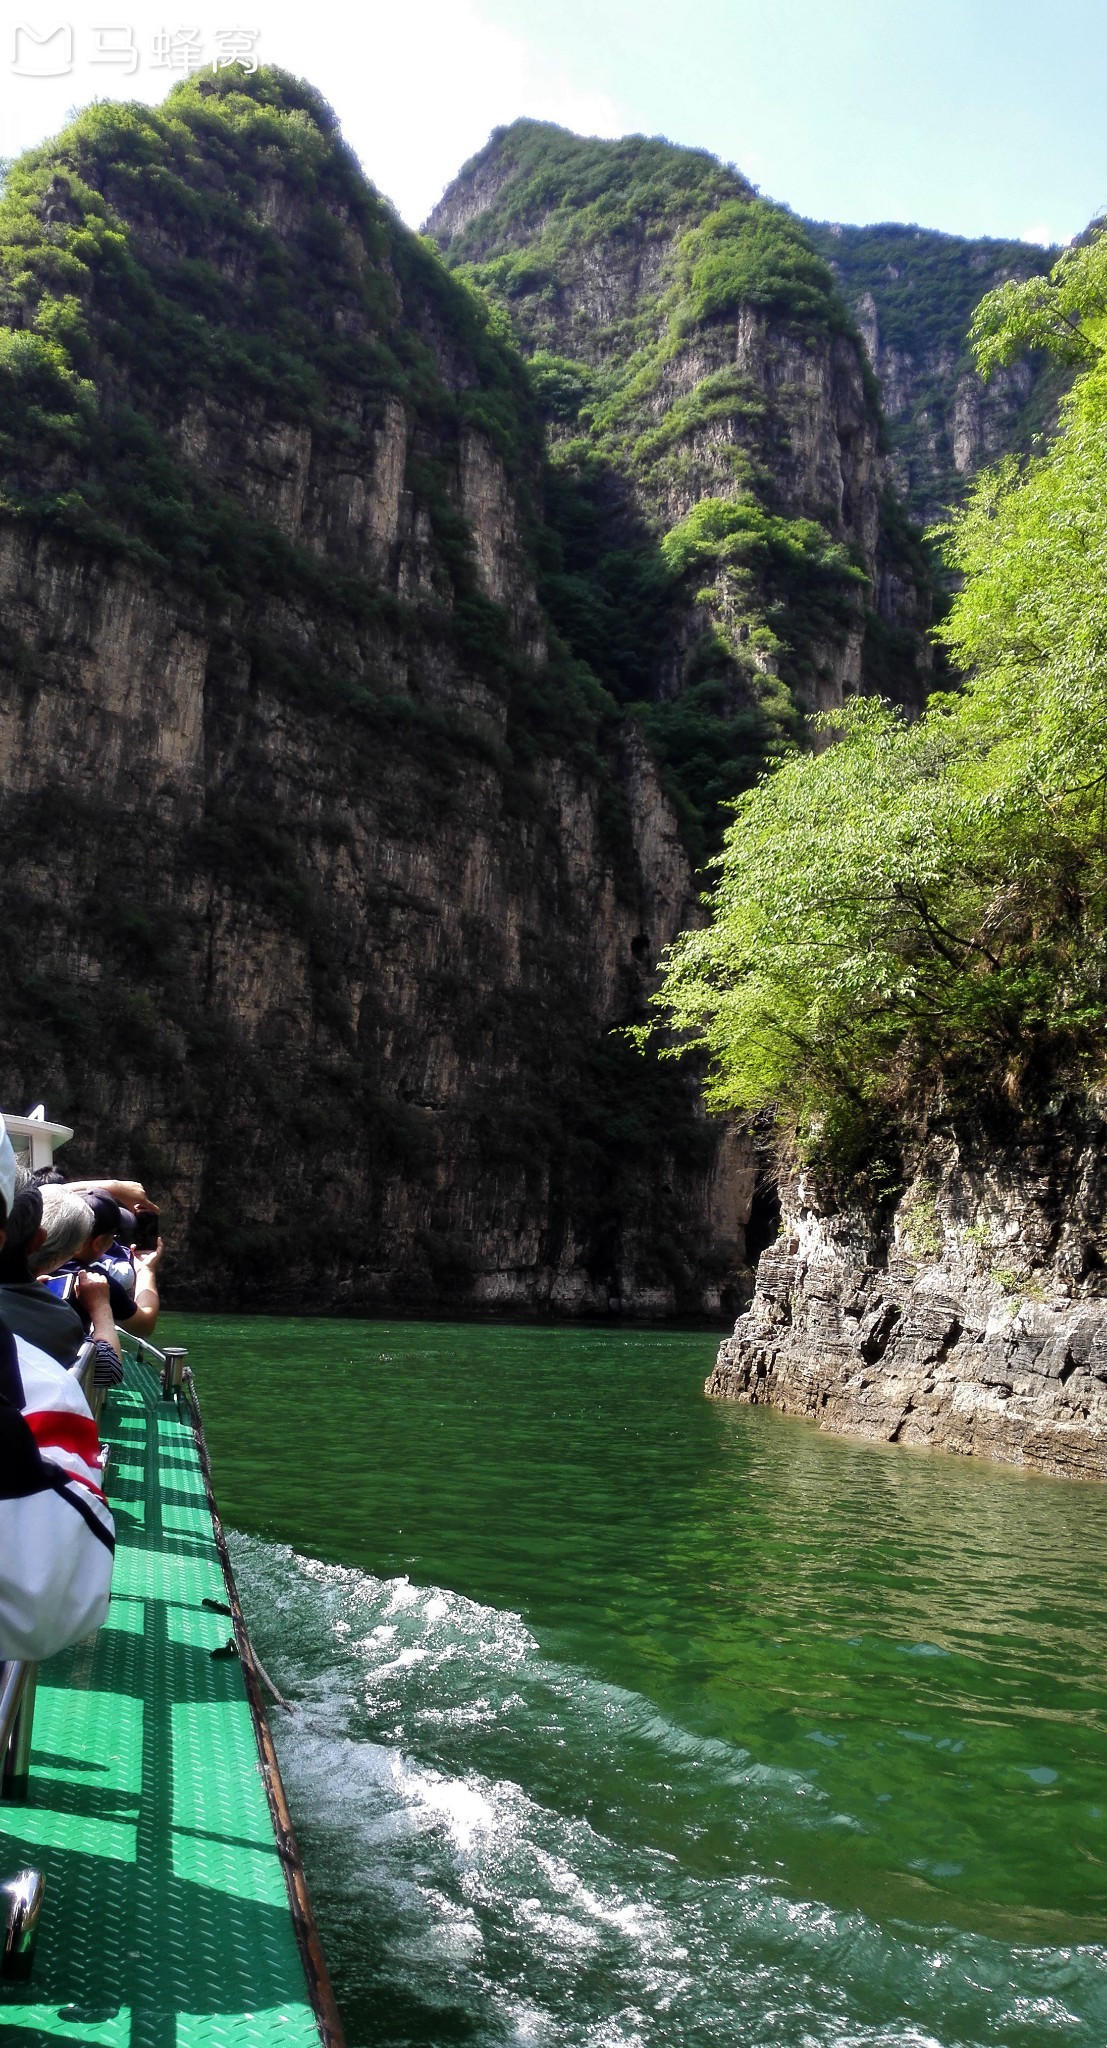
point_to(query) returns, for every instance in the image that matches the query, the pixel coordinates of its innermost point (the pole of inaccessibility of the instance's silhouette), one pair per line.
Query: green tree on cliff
(925, 905)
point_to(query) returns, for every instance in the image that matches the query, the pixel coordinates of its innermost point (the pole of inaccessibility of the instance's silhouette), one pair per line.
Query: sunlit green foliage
(1065, 313)
(748, 253)
(728, 394)
(924, 906)
(786, 577)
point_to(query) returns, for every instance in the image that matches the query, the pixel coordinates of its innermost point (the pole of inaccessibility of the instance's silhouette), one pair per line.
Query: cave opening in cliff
(763, 1227)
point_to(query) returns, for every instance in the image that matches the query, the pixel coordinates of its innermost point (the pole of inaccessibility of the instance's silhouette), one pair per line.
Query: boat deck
(167, 1920)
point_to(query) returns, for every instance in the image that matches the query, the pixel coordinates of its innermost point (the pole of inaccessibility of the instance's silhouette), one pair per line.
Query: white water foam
(446, 1779)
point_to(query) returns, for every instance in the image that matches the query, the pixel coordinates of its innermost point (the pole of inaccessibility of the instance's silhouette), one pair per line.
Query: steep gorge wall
(325, 884)
(361, 729)
(913, 293)
(331, 1001)
(692, 351)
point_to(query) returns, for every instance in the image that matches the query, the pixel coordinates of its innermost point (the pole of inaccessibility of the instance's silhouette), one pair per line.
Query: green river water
(637, 1720)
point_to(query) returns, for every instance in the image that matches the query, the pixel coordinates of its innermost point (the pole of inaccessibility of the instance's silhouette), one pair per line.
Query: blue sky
(979, 118)
(962, 114)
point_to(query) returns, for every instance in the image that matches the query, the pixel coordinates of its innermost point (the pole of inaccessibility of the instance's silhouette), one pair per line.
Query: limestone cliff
(329, 869)
(970, 1315)
(913, 293)
(708, 396)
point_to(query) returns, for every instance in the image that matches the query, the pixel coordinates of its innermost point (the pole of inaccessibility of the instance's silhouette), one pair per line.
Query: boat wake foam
(506, 1849)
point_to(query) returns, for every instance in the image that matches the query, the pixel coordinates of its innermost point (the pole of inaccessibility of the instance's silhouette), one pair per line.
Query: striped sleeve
(57, 1536)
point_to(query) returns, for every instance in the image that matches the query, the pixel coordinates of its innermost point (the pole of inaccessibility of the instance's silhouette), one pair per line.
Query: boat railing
(169, 1363)
(21, 1895)
(17, 1710)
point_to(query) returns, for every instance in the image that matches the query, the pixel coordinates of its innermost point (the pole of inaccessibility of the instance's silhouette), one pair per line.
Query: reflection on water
(633, 1718)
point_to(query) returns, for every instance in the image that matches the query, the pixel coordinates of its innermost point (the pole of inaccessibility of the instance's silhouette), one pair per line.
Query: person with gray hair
(66, 1222)
(46, 1227)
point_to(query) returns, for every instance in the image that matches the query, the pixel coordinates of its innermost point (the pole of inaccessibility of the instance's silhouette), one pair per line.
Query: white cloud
(1040, 231)
(417, 87)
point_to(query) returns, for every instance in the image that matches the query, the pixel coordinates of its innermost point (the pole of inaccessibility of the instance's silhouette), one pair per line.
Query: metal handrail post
(17, 1756)
(172, 1369)
(20, 1905)
(18, 1682)
(82, 1370)
(13, 1677)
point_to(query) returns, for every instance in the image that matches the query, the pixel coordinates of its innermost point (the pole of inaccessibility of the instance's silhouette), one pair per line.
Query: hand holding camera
(91, 1291)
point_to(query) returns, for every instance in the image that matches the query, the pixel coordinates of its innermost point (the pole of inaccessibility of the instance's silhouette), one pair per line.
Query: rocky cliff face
(913, 293)
(691, 352)
(970, 1317)
(328, 874)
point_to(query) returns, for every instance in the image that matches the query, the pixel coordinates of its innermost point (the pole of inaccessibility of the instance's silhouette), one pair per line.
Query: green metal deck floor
(166, 1920)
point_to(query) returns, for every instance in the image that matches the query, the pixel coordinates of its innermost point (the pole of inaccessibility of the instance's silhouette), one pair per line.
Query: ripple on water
(505, 1848)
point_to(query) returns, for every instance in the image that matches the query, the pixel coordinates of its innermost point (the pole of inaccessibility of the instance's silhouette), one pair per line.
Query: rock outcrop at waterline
(970, 1317)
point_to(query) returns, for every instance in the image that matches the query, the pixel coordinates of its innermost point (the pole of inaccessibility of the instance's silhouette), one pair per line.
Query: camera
(146, 1230)
(139, 1230)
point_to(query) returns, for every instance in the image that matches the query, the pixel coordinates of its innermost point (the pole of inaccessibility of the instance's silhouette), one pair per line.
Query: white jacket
(57, 1537)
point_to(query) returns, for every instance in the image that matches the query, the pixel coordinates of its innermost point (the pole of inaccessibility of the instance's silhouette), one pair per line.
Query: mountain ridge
(704, 385)
(369, 694)
(943, 422)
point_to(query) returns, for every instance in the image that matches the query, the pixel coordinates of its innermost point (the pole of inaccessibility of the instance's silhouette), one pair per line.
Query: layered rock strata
(971, 1319)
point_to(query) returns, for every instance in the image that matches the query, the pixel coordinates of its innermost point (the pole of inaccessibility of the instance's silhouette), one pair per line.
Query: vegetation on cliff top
(921, 910)
(220, 264)
(556, 200)
(141, 270)
(623, 268)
